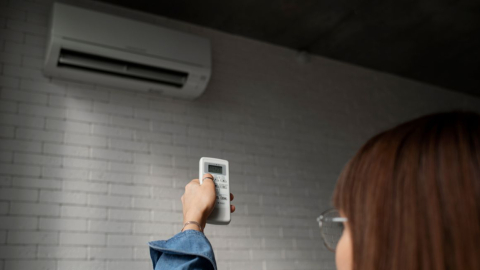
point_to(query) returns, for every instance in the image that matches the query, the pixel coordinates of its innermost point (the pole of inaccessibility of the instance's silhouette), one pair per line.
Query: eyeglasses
(331, 228)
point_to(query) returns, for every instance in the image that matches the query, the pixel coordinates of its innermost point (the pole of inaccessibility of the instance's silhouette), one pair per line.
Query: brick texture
(89, 174)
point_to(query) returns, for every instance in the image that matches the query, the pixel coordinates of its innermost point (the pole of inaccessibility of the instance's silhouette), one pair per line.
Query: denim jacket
(189, 249)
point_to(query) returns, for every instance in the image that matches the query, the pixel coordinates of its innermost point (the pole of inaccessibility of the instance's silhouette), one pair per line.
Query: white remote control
(218, 168)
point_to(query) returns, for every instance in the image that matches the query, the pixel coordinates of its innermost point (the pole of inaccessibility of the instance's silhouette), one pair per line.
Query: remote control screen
(214, 169)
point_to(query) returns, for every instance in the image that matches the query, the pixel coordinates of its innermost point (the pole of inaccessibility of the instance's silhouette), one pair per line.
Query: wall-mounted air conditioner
(99, 48)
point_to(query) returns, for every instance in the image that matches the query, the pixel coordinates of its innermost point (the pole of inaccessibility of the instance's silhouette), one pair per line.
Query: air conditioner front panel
(127, 34)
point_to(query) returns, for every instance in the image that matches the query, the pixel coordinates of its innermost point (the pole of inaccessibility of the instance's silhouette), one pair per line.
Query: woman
(409, 199)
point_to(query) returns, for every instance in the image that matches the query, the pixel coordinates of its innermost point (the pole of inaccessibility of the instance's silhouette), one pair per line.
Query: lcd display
(214, 169)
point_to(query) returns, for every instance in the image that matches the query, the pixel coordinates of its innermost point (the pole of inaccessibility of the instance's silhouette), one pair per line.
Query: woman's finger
(232, 208)
(206, 180)
(208, 176)
(231, 197)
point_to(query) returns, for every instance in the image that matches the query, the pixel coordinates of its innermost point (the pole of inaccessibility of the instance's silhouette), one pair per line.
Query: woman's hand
(198, 201)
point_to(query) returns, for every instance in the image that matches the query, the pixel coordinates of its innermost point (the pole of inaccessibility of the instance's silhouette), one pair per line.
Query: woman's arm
(189, 249)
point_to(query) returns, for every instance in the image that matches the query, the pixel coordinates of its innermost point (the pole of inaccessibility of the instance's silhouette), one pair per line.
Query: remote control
(218, 168)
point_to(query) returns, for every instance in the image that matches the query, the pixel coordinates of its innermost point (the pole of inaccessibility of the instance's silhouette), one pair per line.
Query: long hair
(412, 196)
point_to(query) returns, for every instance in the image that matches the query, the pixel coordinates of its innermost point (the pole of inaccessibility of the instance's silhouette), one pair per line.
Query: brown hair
(412, 196)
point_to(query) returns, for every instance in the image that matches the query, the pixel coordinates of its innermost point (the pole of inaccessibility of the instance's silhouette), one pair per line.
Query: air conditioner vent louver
(77, 60)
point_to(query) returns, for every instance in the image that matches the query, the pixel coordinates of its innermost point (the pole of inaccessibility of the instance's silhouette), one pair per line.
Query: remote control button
(223, 198)
(223, 186)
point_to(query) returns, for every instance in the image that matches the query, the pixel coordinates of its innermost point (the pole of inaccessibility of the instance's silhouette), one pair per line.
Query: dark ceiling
(434, 41)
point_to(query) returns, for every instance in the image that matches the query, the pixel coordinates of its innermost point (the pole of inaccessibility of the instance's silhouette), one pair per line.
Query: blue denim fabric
(189, 249)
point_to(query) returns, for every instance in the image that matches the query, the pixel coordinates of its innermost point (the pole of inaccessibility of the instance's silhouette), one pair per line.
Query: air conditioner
(99, 48)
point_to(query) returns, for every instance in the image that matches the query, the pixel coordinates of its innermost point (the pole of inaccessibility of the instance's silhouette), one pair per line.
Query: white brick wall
(89, 174)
